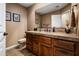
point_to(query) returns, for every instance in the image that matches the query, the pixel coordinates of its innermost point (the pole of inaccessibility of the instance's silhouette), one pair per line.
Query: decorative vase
(67, 30)
(35, 29)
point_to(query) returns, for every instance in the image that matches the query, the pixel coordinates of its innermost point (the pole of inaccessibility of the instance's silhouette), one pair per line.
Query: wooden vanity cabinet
(29, 41)
(45, 46)
(62, 52)
(52, 48)
(41, 45)
(35, 45)
(63, 48)
(45, 50)
(77, 49)
(35, 48)
(64, 44)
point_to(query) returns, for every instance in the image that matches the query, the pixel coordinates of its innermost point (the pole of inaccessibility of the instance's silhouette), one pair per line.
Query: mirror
(66, 19)
(61, 20)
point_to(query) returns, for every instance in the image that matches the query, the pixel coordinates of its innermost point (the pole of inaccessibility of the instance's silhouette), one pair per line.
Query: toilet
(22, 43)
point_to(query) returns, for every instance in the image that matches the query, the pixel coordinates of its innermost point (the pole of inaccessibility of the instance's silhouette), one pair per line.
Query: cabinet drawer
(64, 44)
(35, 38)
(45, 40)
(62, 52)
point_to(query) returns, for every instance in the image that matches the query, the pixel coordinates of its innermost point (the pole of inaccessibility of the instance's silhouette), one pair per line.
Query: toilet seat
(22, 40)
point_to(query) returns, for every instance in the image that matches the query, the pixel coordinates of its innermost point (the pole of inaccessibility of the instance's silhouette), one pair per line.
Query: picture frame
(8, 16)
(16, 17)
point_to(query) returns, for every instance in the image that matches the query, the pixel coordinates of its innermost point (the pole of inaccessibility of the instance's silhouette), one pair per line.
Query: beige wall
(31, 14)
(16, 30)
(46, 18)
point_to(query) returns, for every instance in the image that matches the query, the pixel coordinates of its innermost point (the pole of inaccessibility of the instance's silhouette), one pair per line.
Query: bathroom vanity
(52, 43)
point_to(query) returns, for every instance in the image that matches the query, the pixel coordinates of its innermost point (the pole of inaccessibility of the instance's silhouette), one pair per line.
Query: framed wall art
(8, 16)
(16, 17)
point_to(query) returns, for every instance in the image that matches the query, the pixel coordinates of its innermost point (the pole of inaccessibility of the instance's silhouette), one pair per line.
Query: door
(2, 29)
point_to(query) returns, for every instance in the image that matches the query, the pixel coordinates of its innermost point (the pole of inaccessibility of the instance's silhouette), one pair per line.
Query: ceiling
(26, 4)
(46, 9)
(51, 7)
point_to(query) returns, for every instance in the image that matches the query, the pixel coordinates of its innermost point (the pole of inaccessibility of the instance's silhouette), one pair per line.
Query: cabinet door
(64, 44)
(29, 41)
(62, 52)
(36, 48)
(77, 49)
(45, 50)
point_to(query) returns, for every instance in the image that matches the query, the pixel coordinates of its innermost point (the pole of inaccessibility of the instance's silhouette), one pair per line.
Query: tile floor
(18, 52)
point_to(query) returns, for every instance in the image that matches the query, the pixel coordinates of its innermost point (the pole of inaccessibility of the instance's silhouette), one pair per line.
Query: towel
(73, 24)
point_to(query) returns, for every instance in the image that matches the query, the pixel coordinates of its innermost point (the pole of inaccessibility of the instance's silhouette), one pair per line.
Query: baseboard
(13, 46)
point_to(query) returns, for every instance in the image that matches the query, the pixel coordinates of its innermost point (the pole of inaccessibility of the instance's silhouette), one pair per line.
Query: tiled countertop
(59, 35)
